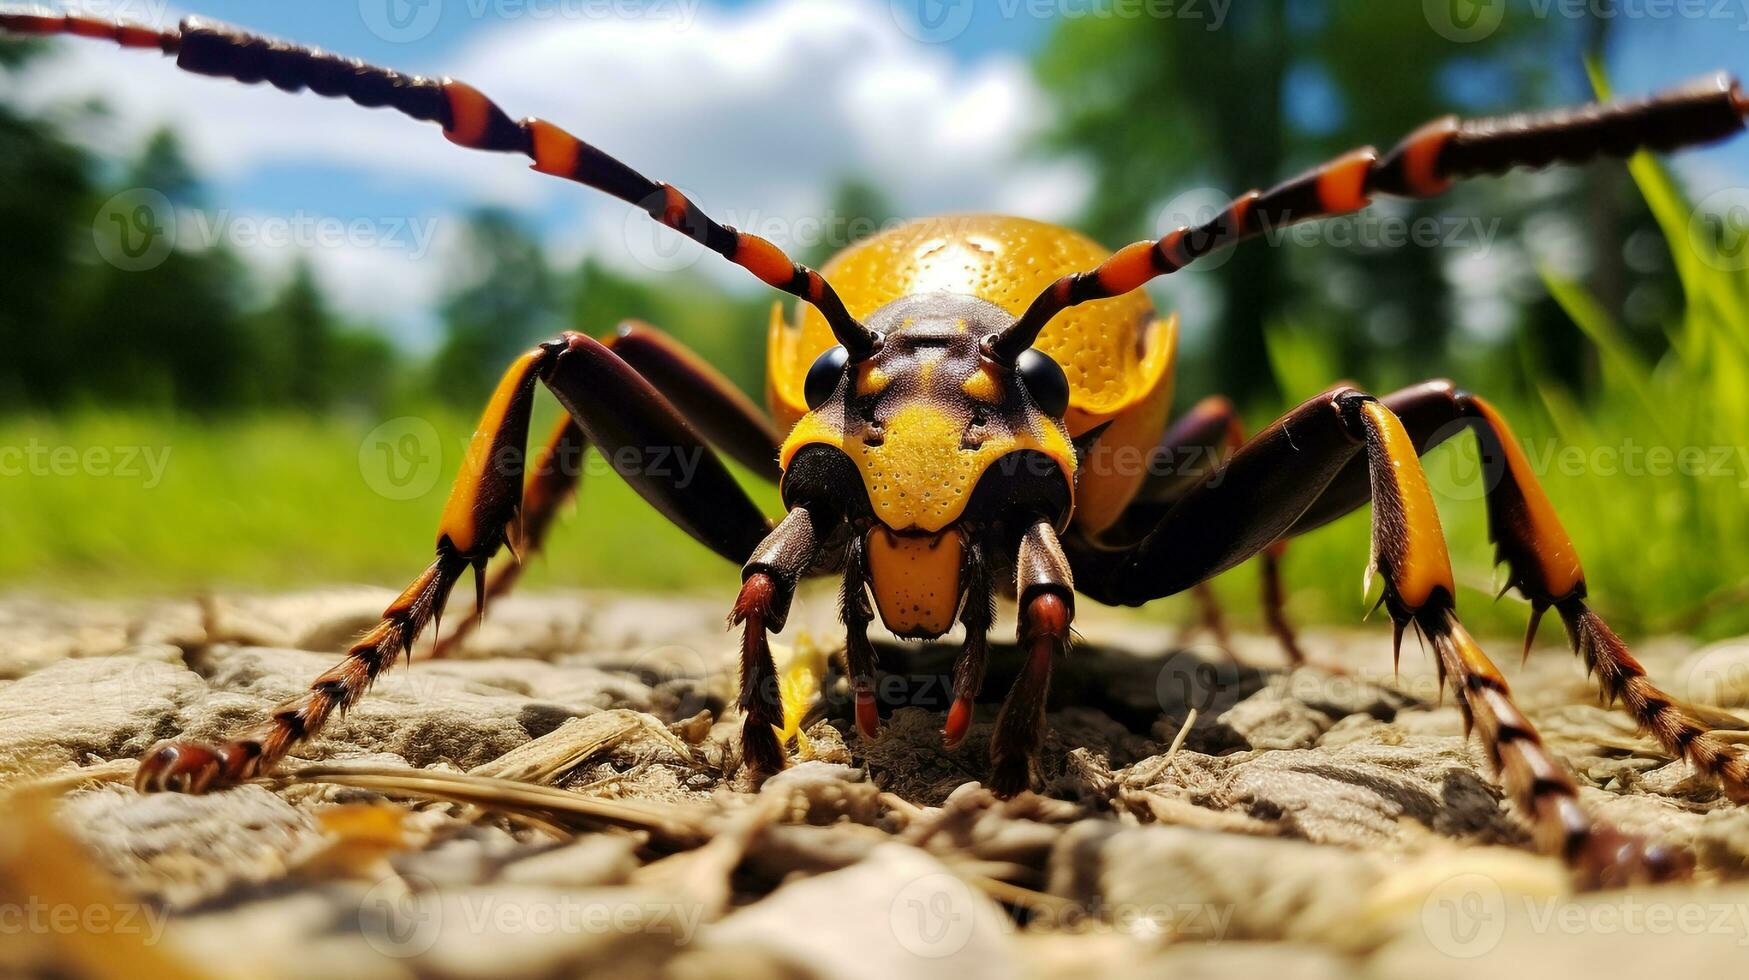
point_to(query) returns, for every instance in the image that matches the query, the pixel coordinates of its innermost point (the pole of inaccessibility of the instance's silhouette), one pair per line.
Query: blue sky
(757, 107)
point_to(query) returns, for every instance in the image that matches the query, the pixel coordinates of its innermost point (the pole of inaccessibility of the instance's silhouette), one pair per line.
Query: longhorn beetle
(929, 404)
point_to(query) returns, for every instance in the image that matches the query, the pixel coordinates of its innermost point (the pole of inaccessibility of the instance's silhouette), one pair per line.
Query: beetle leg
(976, 615)
(550, 484)
(1045, 585)
(647, 441)
(1544, 567)
(1265, 489)
(855, 611)
(710, 403)
(768, 585)
(481, 504)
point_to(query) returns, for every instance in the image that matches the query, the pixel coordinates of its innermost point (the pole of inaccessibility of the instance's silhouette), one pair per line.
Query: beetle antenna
(468, 119)
(1424, 164)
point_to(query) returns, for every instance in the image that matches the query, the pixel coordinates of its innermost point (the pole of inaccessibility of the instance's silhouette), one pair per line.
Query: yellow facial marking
(870, 380)
(916, 580)
(917, 474)
(983, 384)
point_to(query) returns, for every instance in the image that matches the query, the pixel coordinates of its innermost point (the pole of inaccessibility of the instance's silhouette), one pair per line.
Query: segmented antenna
(1424, 164)
(468, 119)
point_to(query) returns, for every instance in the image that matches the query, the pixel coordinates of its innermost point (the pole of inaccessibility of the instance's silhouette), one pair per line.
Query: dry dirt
(1313, 823)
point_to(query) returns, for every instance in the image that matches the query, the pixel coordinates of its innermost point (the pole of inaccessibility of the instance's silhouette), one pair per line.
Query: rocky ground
(1312, 822)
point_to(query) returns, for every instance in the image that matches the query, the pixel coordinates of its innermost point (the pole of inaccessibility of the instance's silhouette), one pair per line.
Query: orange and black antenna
(1424, 164)
(468, 119)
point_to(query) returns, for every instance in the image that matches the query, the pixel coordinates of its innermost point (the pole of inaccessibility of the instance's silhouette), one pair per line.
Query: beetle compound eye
(823, 376)
(1045, 381)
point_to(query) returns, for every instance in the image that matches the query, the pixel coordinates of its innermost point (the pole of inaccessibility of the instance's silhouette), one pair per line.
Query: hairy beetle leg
(1543, 566)
(708, 401)
(617, 409)
(976, 614)
(1350, 441)
(768, 585)
(1046, 588)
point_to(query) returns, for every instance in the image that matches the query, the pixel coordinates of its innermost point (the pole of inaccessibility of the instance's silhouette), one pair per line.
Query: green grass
(279, 502)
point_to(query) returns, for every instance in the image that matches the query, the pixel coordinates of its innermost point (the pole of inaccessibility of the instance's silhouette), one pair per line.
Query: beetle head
(928, 437)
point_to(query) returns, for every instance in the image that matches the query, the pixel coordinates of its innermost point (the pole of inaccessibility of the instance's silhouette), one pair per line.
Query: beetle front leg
(768, 586)
(1045, 586)
(855, 612)
(1267, 489)
(551, 483)
(484, 499)
(708, 401)
(640, 432)
(976, 615)
(1544, 567)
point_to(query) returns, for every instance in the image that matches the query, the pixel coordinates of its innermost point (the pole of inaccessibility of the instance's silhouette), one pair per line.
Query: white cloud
(757, 112)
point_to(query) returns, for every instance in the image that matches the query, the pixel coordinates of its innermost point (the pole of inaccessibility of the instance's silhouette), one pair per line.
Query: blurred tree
(858, 210)
(505, 298)
(45, 187)
(322, 362)
(175, 332)
(725, 328)
(298, 326)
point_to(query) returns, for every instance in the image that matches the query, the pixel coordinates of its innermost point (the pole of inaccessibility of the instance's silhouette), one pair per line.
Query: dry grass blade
(670, 825)
(575, 742)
